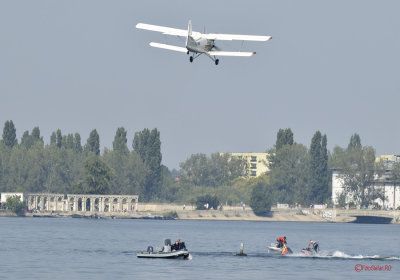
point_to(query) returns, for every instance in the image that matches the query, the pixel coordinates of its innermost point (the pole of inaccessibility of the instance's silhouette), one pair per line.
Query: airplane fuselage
(200, 45)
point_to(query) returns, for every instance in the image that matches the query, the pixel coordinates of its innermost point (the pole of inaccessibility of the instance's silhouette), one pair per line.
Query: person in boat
(281, 242)
(178, 245)
(175, 246)
(313, 246)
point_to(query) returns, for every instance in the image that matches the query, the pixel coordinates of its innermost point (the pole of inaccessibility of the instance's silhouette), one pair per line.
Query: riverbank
(227, 213)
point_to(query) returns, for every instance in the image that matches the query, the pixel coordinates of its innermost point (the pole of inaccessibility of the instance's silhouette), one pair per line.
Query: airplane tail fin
(189, 31)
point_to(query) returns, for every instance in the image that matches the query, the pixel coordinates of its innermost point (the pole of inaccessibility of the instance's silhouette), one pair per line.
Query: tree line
(298, 174)
(66, 166)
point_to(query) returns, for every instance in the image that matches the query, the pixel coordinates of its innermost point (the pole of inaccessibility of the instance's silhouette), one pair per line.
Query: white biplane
(201, 43)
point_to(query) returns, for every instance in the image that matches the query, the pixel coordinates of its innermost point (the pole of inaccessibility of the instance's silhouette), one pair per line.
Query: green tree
(77, 143)
(36, 135)
(15, 205)
(195, 169)
(69, 143)
(214, 171)
(261, 199)
(59, 138)
(318, 169)
(93, 142)
(148, 145)
(98, 176)
(53, 139)
(355, 142)
(284, 137)
(326, 174)
(9, 134)
(120, 140)
(357, 170)
(289, 176)
(26, 140)
(130, 172)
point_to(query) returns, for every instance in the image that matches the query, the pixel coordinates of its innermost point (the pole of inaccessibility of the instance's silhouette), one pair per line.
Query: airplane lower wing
(168, 47)
(222, 53)
(230, 37)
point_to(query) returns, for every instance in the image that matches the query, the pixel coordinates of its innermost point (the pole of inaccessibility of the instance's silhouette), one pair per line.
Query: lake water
(68, 248)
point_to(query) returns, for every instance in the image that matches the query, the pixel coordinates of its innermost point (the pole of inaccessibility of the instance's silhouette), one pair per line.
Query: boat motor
(167, 245)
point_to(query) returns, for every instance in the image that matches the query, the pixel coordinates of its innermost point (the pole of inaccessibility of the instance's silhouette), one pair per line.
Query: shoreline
(229, 213)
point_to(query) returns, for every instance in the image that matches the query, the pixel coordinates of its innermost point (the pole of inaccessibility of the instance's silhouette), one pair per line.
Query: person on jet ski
(313, 246)
(281, 241)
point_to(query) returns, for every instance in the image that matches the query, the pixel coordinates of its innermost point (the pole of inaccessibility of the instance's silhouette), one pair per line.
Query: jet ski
(311, 251)
(274, 249)
(167, 252)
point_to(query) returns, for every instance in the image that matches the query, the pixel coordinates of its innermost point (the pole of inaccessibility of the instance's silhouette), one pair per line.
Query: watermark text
(361, 267)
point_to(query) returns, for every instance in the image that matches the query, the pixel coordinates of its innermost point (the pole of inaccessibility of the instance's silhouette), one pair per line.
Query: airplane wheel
(216, 61)
(191, 59)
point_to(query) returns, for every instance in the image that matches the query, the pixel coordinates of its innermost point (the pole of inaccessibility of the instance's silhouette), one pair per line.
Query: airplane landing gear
(191, 59)
(216, 61)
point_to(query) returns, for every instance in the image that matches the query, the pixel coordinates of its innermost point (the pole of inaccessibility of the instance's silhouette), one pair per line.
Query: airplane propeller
(216, 48)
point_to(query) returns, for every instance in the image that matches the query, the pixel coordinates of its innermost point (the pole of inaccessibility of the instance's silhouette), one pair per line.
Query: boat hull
(182, 254)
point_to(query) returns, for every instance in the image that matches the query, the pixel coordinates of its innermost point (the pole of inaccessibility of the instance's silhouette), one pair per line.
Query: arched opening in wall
(45, 204)
(39, 206)
(106, 205)
(50, 207)
(70, 205)
(114, 207)
(88, 204)
(60, 204)
(32, 203)
(133, 203)
(124, 205)
(97, 204)
(80, 204)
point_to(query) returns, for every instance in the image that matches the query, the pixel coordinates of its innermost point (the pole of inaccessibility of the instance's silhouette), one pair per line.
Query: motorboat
(167, 252)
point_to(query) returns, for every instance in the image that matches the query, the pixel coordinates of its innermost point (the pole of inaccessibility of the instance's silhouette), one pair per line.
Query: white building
(389, 188)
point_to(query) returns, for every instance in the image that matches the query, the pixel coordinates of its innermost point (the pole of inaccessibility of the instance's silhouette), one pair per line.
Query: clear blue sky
(78, 65)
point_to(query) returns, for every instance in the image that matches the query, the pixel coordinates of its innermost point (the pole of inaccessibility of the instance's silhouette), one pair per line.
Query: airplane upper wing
(212, 36)
(164, 30)
(230, 37)
(222, 53)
